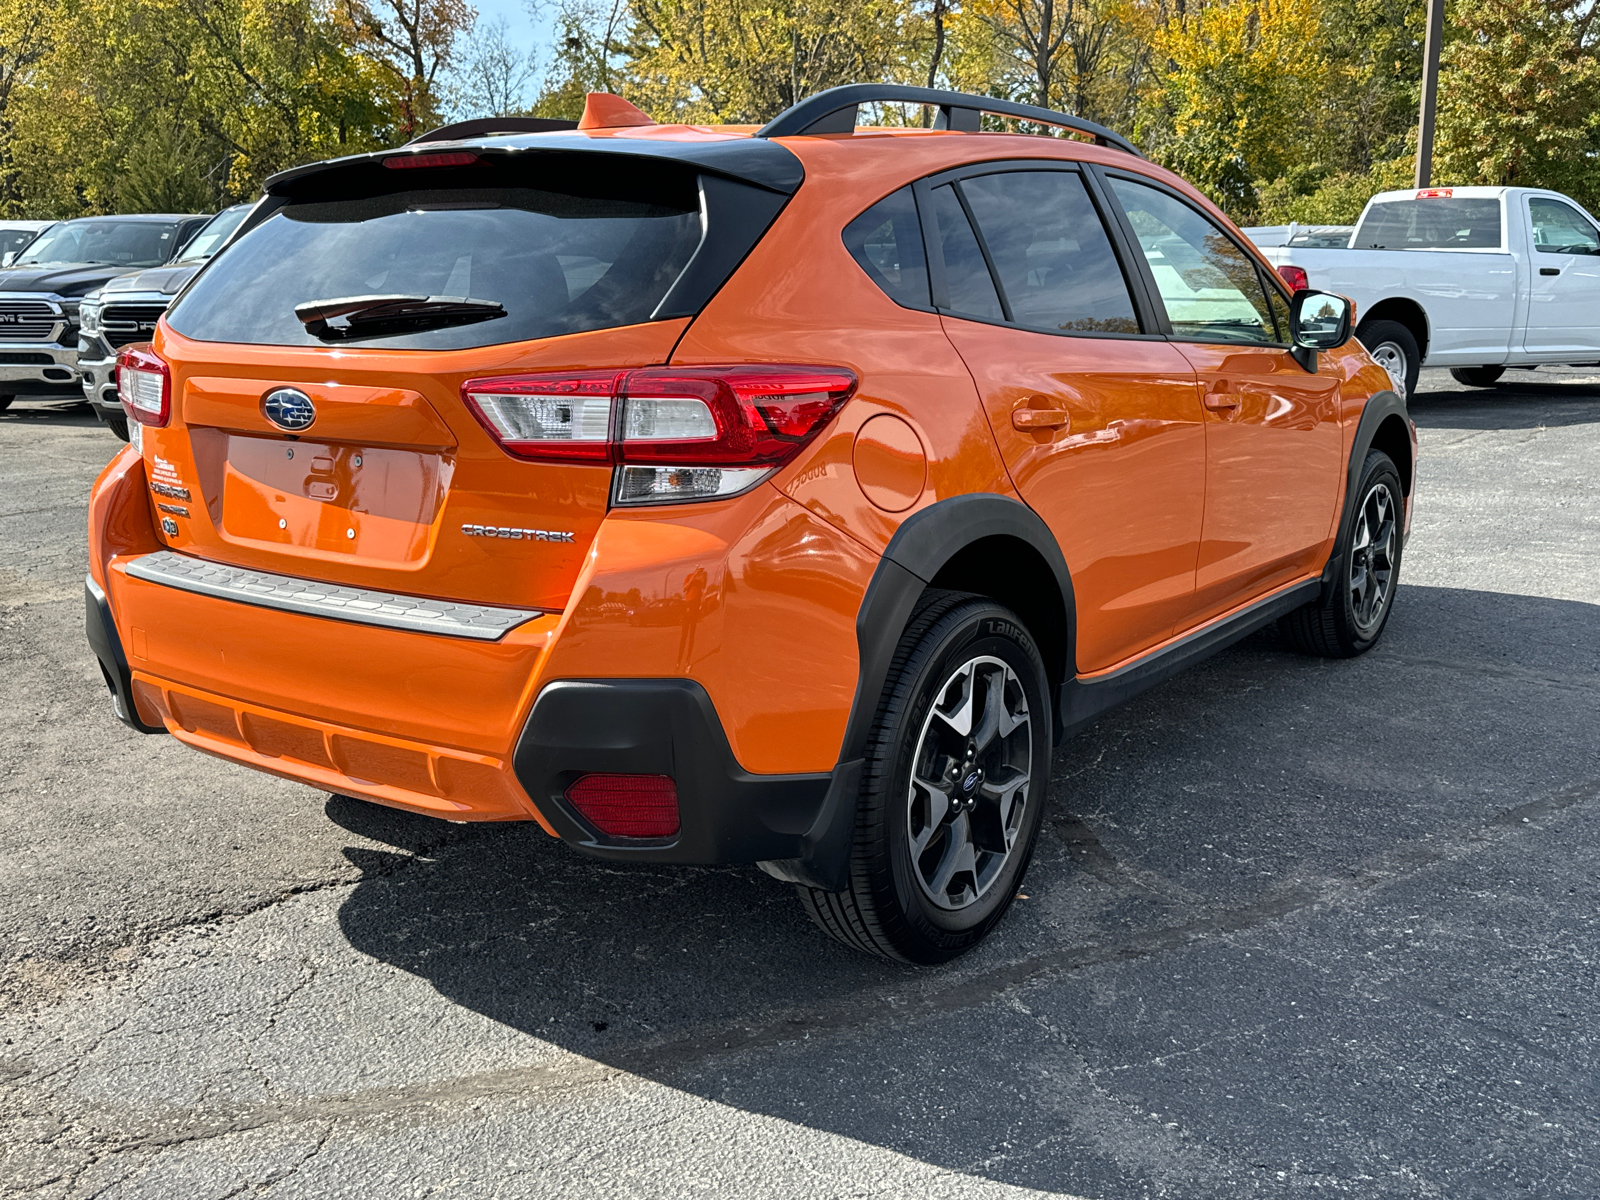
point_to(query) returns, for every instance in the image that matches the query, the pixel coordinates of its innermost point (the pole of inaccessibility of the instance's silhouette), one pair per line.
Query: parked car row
(73, 292)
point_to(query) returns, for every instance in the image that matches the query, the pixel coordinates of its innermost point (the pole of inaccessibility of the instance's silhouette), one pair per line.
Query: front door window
(1210, 288)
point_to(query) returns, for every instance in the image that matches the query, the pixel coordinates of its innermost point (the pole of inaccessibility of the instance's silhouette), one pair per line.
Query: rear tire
(118, 426)
(1394, 349)
(1350, 617)
(953, 788)
(1477, 376)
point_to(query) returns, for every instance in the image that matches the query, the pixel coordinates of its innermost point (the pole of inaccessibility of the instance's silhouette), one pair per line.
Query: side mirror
(1317, 321)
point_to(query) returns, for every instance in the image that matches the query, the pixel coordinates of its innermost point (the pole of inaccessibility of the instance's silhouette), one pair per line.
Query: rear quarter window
(560, 258)
(886, 241)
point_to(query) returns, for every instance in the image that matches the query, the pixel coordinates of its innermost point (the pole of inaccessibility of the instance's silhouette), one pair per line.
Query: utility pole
(1430, 92)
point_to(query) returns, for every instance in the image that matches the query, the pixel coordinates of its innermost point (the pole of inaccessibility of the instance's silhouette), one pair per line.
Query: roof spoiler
(834, 111)
(489, 126)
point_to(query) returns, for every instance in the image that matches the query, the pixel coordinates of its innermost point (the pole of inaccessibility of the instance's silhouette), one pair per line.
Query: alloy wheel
(1372, 557)
(1392, 359)
(969, 782)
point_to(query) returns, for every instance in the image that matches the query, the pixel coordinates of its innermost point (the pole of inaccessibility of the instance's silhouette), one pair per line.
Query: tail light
(673, 433)
(144, 385)
(639, 806)
(1295, 277)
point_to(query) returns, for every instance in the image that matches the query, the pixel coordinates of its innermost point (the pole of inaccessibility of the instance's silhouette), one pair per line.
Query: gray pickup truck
(126, 310)
(42, 288)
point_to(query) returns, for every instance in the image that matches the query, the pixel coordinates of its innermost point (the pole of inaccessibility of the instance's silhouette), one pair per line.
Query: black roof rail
(834, 111)
(489, 126)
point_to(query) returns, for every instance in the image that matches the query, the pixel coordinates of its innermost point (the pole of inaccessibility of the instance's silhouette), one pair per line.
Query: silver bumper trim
(57, 358)
(360, 605)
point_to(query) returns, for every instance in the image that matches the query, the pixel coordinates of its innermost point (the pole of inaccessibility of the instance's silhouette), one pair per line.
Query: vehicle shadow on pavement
(1517, 405)
(1203, 918)
(65, 411)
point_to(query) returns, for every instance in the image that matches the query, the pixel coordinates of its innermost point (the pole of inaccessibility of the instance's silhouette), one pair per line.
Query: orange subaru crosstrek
(733, 495)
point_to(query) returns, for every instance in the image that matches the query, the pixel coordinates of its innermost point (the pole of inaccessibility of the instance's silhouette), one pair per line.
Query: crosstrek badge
(1435, 193)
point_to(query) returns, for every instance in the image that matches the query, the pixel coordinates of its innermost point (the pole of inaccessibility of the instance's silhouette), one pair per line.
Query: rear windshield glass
(554, 261)
(111, 242)
(1437, 224)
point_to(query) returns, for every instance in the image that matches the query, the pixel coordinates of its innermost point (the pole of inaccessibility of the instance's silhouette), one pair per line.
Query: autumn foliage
(1281, 109)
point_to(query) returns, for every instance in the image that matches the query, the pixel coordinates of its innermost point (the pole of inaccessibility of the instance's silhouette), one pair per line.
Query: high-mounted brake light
(441, 158)
(674, 433)
(636, 806)
(1435, 193)
(144, 385)
(1295, 277)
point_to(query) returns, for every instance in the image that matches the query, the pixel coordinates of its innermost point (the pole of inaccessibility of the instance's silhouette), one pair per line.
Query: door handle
(1029, 420)
(1549, 270)
(1220, 401)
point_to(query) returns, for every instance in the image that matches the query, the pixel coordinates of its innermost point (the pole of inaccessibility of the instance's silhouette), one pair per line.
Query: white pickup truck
(1477, 279)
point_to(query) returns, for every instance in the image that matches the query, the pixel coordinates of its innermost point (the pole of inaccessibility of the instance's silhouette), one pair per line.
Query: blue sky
(527, 31)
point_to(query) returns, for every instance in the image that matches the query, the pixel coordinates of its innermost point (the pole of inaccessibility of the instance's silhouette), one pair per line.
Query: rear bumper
(663, 727)
(453, 745)
(102, 634)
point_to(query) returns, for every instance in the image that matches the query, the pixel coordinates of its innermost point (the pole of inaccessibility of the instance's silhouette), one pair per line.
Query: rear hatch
(336, 445)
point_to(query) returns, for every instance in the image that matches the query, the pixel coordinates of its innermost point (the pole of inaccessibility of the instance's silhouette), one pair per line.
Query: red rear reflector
(444, 158)
(1295, 277)
(637, 806)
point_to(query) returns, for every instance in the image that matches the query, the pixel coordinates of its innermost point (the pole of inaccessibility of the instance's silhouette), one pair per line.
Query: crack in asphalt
(660, 1060)
(97, 959)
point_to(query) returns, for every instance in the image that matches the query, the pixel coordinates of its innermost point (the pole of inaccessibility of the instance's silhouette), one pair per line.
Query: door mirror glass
(1319, 320)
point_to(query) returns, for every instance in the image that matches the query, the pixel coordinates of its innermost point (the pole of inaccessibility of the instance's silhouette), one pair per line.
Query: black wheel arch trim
(1379, 408)
(924, 543)
(101, 632)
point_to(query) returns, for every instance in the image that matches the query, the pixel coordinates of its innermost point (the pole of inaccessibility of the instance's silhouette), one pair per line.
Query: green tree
(1519, 97)
(412, 42)
(744, 61)
(1240, 98)
(164, 172)
(1087, 57)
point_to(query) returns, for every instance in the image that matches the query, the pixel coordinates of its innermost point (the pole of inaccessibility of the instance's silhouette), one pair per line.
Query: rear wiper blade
(375, 316)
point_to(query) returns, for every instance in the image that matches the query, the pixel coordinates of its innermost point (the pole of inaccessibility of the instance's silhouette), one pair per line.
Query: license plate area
(333, 499)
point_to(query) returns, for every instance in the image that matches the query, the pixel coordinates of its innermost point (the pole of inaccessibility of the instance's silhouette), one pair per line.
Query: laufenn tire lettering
(1007, 629)
(515, 534)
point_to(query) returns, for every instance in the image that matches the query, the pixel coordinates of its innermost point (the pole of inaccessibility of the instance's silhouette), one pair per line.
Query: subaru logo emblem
(970, 782)
(289, 408)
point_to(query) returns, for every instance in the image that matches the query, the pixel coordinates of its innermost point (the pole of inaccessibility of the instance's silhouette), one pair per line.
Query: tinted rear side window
(887, 241)
(557, 261)
(1051, 252)
(1440, 224)
(966, 274)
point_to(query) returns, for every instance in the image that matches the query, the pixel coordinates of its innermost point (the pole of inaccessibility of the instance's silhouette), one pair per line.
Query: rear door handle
(1031, 419)
(1549, 270)
(1220, 401)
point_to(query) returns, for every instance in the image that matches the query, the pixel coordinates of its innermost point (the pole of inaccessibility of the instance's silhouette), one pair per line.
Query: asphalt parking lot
(1294, 926)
